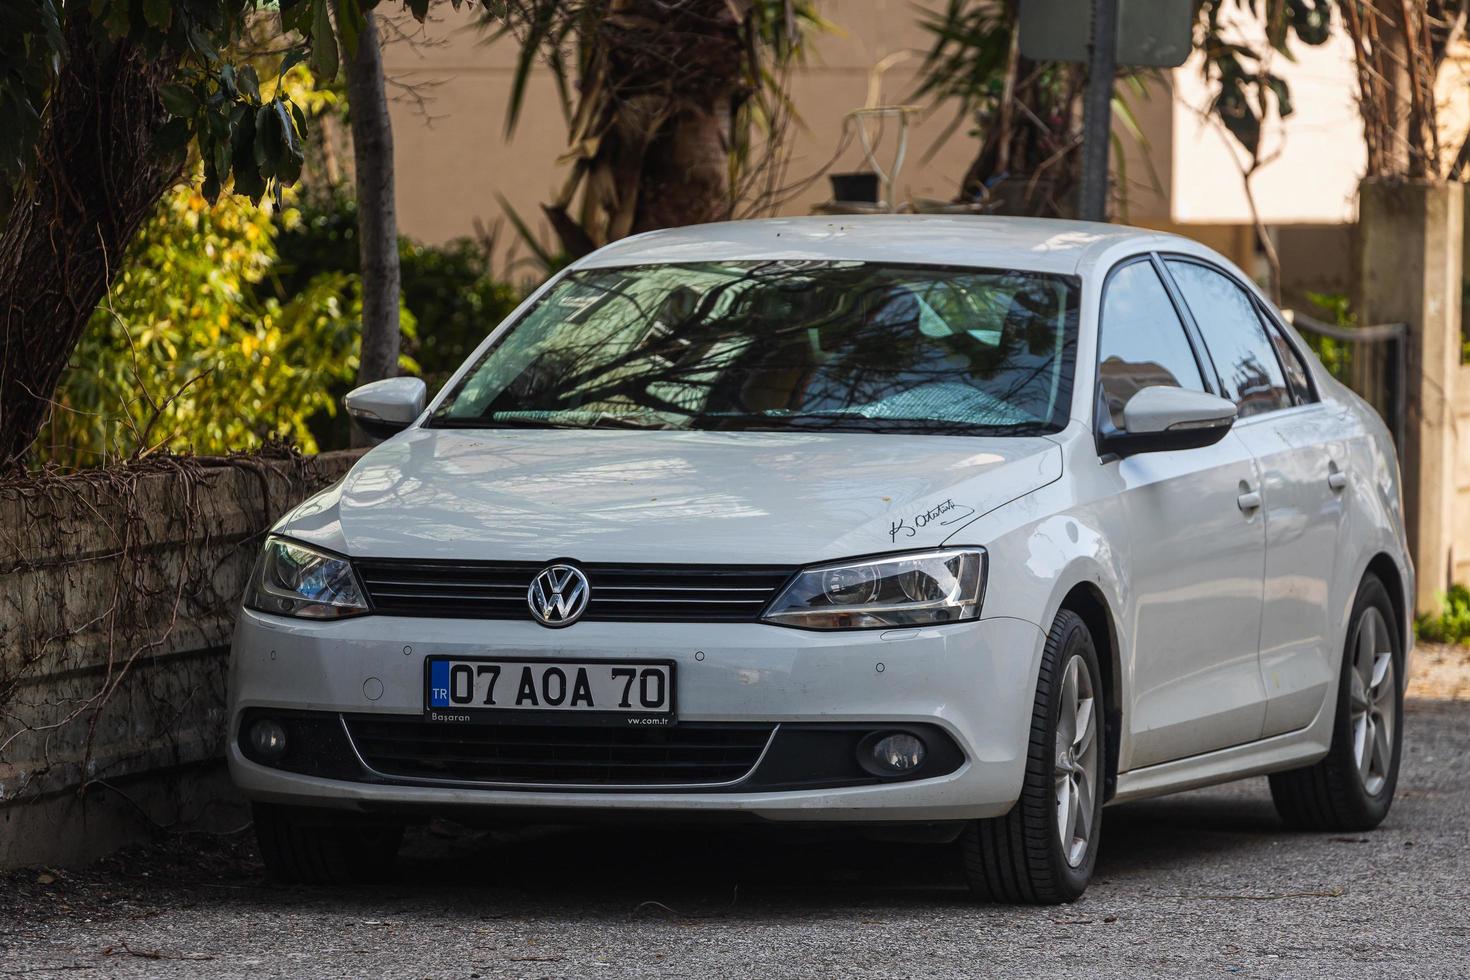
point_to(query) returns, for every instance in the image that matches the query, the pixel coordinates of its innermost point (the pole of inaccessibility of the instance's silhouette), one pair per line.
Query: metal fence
(1372, 360)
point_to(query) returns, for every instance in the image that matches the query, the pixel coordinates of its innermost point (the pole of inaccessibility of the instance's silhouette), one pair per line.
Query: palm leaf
(526, 234)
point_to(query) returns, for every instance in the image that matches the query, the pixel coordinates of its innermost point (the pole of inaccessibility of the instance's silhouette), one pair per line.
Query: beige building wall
(453, 158)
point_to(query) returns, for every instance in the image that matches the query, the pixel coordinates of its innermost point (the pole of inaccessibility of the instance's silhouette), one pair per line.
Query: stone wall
(117, 595)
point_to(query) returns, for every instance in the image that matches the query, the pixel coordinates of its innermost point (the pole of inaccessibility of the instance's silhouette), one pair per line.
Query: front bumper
(975, 681)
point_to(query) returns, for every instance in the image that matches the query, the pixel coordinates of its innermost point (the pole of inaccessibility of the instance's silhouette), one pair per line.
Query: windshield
(850, 346)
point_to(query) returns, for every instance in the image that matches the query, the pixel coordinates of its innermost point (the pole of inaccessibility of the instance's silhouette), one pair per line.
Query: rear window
(783, 345)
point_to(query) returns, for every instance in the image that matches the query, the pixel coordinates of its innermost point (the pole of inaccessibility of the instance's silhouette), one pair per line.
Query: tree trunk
(686, 171)
(683, 176)
(98, 178)
(377, 216)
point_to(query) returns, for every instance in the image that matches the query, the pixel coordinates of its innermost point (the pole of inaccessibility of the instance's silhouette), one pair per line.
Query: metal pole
(1097, 111)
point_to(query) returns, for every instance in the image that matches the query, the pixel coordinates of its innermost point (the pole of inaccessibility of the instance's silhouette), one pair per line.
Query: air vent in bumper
(558, 755)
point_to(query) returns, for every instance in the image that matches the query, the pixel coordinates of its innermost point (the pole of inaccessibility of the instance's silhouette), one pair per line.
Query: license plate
(595, 692)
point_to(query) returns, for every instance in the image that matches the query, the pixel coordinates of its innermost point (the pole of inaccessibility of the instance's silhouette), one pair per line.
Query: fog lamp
(267, 740)
(898, 753)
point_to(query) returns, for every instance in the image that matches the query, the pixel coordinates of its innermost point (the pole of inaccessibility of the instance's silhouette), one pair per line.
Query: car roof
(981, 241)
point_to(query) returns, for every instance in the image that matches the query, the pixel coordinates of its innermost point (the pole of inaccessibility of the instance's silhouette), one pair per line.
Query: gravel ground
(1202, 883)
(1440, 672)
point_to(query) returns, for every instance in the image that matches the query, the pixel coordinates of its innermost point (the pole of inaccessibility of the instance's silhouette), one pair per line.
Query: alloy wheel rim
(1372, 701)
(1075, 771)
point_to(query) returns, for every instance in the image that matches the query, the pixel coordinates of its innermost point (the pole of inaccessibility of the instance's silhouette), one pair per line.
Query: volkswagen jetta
(966, 526)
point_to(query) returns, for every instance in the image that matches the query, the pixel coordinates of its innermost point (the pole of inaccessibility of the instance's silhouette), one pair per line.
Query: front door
(1196, 545)
(1197, 558)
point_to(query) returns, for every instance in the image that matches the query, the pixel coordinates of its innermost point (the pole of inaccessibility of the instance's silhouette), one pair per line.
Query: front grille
(638, 593)
(558, 755)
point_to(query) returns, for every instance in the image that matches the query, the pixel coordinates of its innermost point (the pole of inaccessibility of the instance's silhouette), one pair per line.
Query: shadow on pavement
(681, 874)
(701, 869)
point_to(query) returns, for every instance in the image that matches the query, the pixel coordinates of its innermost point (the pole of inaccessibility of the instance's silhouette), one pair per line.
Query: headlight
(293, 580)
(918, 589)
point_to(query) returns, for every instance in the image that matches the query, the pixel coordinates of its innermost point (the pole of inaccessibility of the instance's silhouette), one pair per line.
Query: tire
(1020, 857)
(1345, 792)
(315, 847)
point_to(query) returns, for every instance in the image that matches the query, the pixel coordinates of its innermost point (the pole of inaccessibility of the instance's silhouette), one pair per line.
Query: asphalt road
(1206, 883)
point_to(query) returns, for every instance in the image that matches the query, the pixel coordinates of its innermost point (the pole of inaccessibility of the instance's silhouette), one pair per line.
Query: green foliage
(30, 31)
(247, 133)
(184, 354)
(1465, 321)
(1338, 308)
(455, 300)
(1336, 355)
(776, 39)
(1026, 115)
(1452, 625)
(212, 102)
(448, 289)
(970, 64)
(968, 60)
(1247, 86)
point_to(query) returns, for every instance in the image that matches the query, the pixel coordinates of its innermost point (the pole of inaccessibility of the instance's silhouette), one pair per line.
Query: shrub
(1452, 625)
(454, 300)
(449, 289)
(1336, 355)
(185, 353)
(235, 324)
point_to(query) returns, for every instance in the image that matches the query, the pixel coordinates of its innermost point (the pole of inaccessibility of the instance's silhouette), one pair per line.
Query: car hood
(665, 496)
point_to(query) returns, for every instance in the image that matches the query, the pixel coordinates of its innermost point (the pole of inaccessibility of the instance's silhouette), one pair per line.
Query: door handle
(1336, 478)
(1248, 501)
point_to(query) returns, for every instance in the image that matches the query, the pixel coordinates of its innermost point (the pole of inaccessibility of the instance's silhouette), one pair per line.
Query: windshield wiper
(607, 420)
(602, 421)
(449, 422)
(854, 422)
(760, 422)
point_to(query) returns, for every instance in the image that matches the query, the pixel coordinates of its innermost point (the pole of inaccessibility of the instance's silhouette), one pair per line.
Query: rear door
(1297, 445)
(1194, 552)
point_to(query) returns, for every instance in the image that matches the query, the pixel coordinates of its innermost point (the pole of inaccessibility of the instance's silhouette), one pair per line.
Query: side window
(1296, 369)
(1142, 341)
(1242, 352)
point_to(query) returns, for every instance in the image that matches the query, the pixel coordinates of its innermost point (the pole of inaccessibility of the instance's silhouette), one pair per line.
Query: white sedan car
(961, 525)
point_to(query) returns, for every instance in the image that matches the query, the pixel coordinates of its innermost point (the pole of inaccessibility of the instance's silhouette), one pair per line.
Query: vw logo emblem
(558, 595)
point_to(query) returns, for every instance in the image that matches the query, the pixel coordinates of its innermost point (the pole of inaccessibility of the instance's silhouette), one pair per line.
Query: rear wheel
(1352, 787)
(1043, 851)
(318, 848)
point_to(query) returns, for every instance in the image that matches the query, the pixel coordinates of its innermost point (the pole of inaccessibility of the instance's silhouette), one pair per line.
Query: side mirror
(386, 407)
(1161, 418)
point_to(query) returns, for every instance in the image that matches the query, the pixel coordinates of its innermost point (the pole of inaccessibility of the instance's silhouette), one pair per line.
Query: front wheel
(1043, 851)
(1352, 788)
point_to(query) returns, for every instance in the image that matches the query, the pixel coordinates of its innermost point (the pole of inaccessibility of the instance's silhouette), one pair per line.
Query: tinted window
(1142, 342)
(1237, 342)
(1296, 369)
(783, 345)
